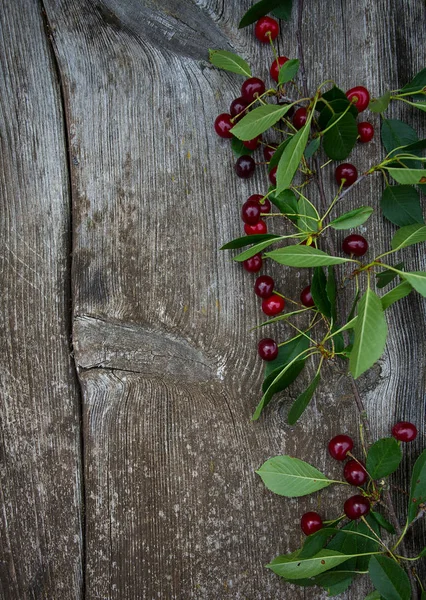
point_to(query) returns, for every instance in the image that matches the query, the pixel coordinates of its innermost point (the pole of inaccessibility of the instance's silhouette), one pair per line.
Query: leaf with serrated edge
(379, 105)
(292, 155)
(291, 477)
(406, 176)
(387, 276)
(319, 293)
(258, 121)
(341, 137)
(312, 147)
(417, 279)
(389, 578)
(353, 218)
(317, 540)
(256, 249)
(286, 353)
(288, 71)
(383, 458)
(304, 256)
(223, 59)
(302, 401)
(397, 293)
(409, 235)
(380, 519)
(417, 83)
(283, 379)
(396, 133)
(417, 487)
(308, 215)
(370, 334)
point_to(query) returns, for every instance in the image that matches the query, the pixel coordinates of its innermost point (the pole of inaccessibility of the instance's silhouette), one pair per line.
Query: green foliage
(258, 121)
(397, 293)
(385, 277)
(396, 133)
(408, 236)
(352, 218)
(291, 157)
(341, 137)
(304, 256)
(280, 8)
(288, 71)
(379, 105)
(229, 62)
(319, 292)
(389, 578)
(292, 477)
(401, 205)
(417, 487)
(302, 401)
(416, 84)
(238, 147)
(246, 240)
(383, 458)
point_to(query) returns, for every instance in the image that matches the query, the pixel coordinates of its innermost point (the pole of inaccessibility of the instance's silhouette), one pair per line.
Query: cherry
(306, 297)
(252, 88)
(265, 208)
(273, 175)
(404, 431)
(359, 96)
(268, 152)
(354, 473)
(276, 66)
(355, 244)
(268, 349)
(253, 264)
(311, 522)
(346, 174)
(266, 29)
(264, 286)
(365, 132)
(245, 166)
(273, 305)
(356, 507)
(238, 108)
(260, 227)
(339, 446)
(250, 212)
(299, 117)
(223, 125)
(252, 144)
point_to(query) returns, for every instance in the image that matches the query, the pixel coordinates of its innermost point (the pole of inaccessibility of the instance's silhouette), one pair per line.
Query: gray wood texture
(116, 195)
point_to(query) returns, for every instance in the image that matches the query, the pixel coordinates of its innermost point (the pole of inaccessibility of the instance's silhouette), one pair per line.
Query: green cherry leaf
(401, 205)
(380, 519)
(416, 84)
(288, 71)
(260, 9)
(246, 240)
(406, 176)
(312, 147)
(370, 334)
(238, 147)
(319, 292)
(389, 578)
(283, 11)
(353, 218)
(396, 133)
(287, 203)
(291, 477)
(375, 595)
(383, 458)
(258, 120)
(417, 487)
(397, 293)
(379, 105)
(277, 154)
(308, 215)
(286, 353)
(419, 105)
(408, 236)
(255, 249)
(302, 401)
(223, 59)
(292, 155)
(291, 566)
(341, 138)
(332, 94)
(387, 276)
(334, 107)
(331, 291)
(304, 256)
(417, 279)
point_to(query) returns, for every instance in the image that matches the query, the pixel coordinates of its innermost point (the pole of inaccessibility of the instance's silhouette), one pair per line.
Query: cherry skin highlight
(404, 431)
(264, 286)
(273, 175)
(276, 66)
(300, 117)
(306, 297)
(223, 125)
(268, 152)
(356, 507)
(273, 305)
(359, 96)
(268, 349)
(238, 108)
(252, 144)
(252, 88)
(253, 264)
(250, 212)
(355, 244)
(266, 29)
(346, 172)
(354, 473)
(339, 446)
(311, 522)
(365, 132)
(259, 228)
(245, 166)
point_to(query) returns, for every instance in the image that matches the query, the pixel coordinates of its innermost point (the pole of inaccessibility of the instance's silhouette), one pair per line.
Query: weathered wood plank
(41, 545)
(174, 509)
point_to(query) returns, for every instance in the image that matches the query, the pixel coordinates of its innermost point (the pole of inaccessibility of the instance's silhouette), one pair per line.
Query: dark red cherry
(260, 227)
(269, 151)
(245, 166)
(346, 174)
(365, 132)
(223, 125)
(311, 522)
(264, 286)
(339, 446)
(266, 29)
(252, 88)
(253, 264)
(250, 212)
(359, 96)
(238, 108)
(355, 473)
(252, 144)
(355, 244)
(306, 297)
(404, 431)
(268, 349)
(300, 117)
(265, 207)
(273, 175)
(273, 305)
(276, 66)
(356, 507)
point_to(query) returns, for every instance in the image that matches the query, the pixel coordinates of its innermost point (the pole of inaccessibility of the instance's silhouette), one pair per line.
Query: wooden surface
(127, 465)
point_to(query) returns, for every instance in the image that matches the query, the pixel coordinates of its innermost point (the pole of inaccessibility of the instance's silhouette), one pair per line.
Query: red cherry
(253, 264)
(311, 522)
(306, 297)
(252, 88)
(356, 507)
(260, 227)
(339, 446)
(222, 125)
(264, 286)
(273, 175)
(404, 431)
(276, 66)
(355, 473)
(245, 166)
(346, 172)
(250, 212)
(252, 144)
(299, 117)
(266, 29)
(265, 208)
(238, 108)
(273, 305)
(268, 349)
(365, 132)
(355, 244)
(359, 96)
(269, 151)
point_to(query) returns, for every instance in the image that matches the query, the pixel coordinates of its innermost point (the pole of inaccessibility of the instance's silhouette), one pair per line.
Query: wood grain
(41, 539)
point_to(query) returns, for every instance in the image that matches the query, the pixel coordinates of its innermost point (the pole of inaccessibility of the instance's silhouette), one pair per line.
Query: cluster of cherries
(257, 206)
(354, 472)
